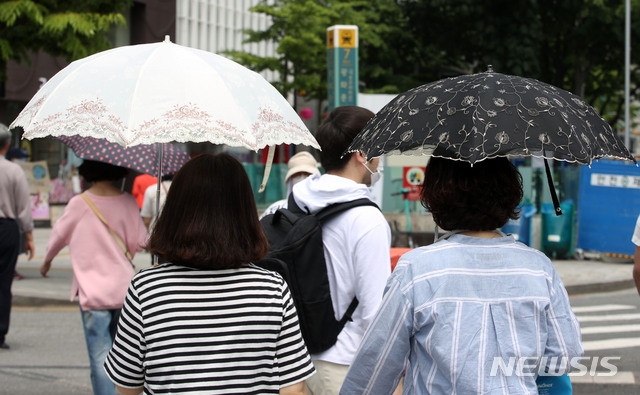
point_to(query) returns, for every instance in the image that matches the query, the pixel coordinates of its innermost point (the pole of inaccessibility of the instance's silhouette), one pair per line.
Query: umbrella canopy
(163, 92)
(487, 115)
(142, 158)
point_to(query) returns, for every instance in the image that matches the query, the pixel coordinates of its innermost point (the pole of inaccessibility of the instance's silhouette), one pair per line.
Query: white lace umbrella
(159, 93)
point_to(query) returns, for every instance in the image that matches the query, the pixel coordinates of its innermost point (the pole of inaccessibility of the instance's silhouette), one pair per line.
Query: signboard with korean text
(608, 206)
(342, 65)
(412, 179)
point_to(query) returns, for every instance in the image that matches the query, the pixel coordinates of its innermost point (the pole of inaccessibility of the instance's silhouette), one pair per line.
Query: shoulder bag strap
(113, 233)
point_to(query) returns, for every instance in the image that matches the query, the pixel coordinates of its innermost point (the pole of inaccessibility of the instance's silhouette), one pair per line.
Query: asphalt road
(610, 325)
(48, 354)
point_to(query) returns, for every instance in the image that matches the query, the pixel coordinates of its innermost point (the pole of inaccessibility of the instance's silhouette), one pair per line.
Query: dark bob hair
(336, 133)
(479, 197)
(209, 219)
(93, 171)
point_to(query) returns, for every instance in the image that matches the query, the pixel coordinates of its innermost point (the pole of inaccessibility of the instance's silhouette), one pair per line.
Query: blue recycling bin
(558, 231)
(521, 228)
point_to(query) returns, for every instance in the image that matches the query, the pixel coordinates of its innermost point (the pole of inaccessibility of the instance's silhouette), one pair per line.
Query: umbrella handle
(267, 169)
(159, 181)
(552, 189)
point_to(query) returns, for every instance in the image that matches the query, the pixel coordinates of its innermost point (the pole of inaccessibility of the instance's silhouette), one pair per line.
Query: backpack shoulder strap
(293, 206)
(347, 315)
(292, 212)
(335, 209)
(338, 208)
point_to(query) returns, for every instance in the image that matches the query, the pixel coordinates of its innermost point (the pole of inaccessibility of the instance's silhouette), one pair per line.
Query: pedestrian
(301, 166)
(455, 310)
(636, 256)
(356, 242)
(207, 320)
(15, 218)
(140, 185)
(18, 155)
(149, 211)
(98, 226)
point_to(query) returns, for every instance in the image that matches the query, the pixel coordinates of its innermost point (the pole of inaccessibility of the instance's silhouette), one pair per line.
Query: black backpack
(297, 254)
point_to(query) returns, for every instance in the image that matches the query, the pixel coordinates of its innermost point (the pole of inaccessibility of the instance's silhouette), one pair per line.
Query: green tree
(389, 56)
(299, 30)
(71, 29)
(577, 45)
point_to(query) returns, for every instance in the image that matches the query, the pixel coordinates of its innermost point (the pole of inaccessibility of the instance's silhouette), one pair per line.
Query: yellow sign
(342, 62)
(330, 41)
(347, 38)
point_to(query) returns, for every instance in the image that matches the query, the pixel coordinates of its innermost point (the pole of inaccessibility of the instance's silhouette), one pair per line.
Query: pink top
(101, 271)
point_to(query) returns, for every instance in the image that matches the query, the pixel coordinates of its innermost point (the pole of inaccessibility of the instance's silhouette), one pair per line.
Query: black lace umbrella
(487, 115)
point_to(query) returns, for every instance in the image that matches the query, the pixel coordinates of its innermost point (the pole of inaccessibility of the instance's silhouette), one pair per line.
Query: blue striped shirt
(451, 308)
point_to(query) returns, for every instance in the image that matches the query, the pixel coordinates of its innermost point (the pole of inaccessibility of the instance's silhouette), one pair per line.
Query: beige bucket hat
(302, 162)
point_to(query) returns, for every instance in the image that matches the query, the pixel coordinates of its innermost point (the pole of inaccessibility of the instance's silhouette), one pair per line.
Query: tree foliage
(577, 45)
(71, 29)
(299, 30)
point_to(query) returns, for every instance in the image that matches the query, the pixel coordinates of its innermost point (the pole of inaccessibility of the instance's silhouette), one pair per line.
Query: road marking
(611, 344)
(608, 317)
(45, 308)
(604, 307)
(618, 378)
(611, 329)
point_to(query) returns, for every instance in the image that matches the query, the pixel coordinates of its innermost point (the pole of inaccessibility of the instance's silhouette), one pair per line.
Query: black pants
(9, 246)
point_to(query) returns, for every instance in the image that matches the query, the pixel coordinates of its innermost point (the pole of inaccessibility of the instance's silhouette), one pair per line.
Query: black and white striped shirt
(192, 331)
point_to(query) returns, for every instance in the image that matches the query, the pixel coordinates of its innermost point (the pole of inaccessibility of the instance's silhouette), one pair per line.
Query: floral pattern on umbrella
(160, 93)
(485, 115)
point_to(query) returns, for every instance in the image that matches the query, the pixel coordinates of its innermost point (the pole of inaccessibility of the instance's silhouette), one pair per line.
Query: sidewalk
(579, 277)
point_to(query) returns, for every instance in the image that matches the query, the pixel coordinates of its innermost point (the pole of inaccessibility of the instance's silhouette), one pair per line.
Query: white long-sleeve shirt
(357, 247)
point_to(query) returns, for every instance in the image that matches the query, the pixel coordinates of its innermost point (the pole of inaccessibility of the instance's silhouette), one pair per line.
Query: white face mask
(375, 177)
(296, 179)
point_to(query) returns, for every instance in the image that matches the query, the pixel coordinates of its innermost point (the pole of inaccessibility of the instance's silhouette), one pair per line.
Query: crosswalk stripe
(618, 378)
(608, 317)
(604, 307)
(611, 329)
(603, 315)
(611, 344)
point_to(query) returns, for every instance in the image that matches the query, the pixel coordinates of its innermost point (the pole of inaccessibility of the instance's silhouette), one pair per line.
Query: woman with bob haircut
(456, 313)
(207, 321)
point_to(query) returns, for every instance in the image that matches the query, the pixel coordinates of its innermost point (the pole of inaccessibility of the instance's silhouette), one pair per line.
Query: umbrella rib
(136, 89)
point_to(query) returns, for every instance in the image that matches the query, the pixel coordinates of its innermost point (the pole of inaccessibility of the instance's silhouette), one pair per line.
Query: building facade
(211, 25)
